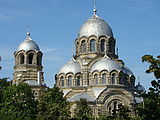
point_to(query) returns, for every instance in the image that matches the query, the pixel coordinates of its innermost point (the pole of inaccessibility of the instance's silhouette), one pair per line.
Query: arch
(104, 78)
(78, 81)
(39, 59)
(30, 58)
(69, 80)
(83, 46)
(62, 81)
(21, 58)
(121, 78)
(102, 45)
(113, 78)
(111, 45)
(96, 79)
(92, 45)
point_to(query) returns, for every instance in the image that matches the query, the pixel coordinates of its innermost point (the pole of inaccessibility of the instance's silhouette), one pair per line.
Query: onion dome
(72, 66)
(107, 64)
(28, 44)
(139, 88)
(95, 26)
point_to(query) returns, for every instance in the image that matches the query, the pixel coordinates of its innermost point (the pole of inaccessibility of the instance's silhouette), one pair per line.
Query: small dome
(139, 88)
(28, 44)
(95, 26)
(71, 66)
(105, 64)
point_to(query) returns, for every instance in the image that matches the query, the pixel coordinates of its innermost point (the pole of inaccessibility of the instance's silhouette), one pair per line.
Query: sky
(54, 25)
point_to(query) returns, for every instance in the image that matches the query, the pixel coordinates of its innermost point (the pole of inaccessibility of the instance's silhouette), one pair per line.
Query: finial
(138, 80)
(117, 51)
(28, 32)
(94, 8)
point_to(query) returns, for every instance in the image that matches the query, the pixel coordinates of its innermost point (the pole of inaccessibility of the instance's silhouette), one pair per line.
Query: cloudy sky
(54, 25)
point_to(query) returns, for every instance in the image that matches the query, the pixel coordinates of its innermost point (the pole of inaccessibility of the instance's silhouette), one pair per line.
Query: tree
(83, 111)
(3, 84)
(154, 65)
(121, 112)
(151, 108)
(18, 103)
(53, 106)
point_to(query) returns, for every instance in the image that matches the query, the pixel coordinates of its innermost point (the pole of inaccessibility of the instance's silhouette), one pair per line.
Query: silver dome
(71, 66)
(105, 64)
(95, 26)
(139, 88)
(28, 44)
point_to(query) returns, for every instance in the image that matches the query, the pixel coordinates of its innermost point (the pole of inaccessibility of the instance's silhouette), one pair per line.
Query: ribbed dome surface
(71, 66)
(28, 44)
(105, 64)
(95, 26)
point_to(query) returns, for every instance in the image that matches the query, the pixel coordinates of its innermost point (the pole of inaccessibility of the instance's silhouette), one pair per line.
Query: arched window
(83, 46)
(113, 78)
(96, 79)
(30, 58)
(121, 78)
(78, 82)
(104, 78)
(38, 60)
(21, 59)
(102, 45)
(92, 45)
(69, 80)
(62, 81)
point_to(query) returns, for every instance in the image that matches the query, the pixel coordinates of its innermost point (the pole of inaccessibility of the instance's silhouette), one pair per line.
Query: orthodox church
(95, 72)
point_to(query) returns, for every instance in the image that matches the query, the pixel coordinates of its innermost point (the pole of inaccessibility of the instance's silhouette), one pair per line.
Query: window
(38, 60)
(83, 46)
(78, 82)
(104, 78)
(102, 45)
(92, 45)
(96, 78)
(21, 59)
(113, 78)
(62, 81)
(69, 80)
(30, 56)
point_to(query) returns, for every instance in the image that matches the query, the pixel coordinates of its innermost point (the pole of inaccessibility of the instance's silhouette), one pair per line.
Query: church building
(28, 66)
(95, 72)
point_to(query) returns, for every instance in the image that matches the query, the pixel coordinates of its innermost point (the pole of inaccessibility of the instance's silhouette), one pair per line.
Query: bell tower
(28, 65)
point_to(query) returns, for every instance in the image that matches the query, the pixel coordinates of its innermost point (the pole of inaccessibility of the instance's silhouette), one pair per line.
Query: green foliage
(3, 84)
(18, 103)
(150, 108)
(83, 111)
(53, 106)
(154, 65)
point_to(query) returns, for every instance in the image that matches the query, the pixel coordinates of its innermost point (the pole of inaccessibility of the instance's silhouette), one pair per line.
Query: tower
(28, 65)
(95, 72)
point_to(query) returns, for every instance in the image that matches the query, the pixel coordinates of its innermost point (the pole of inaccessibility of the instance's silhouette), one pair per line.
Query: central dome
(95, 26)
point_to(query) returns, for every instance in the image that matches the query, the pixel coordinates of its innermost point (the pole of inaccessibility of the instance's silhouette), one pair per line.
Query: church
(94, 72)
